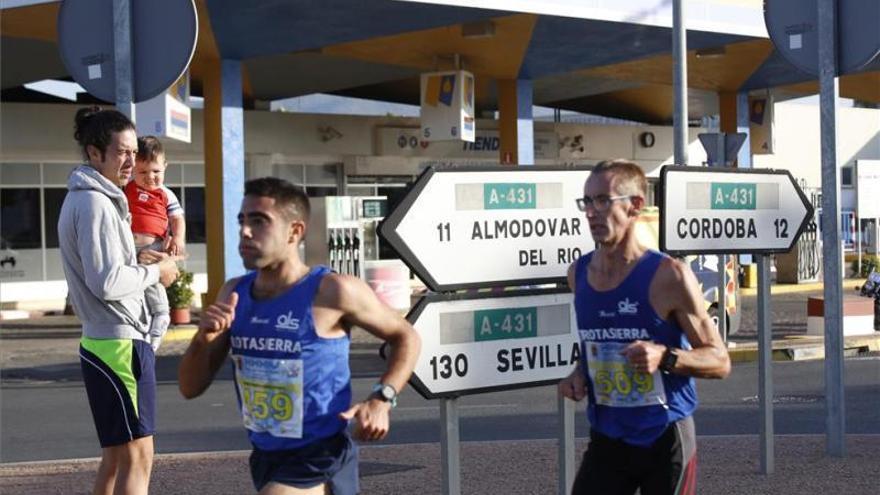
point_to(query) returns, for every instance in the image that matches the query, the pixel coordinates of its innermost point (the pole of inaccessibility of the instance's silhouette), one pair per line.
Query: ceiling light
(712, 52)
(478, 29)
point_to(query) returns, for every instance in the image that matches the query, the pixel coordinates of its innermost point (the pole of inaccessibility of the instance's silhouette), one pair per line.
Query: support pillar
(515, 124)
(224, 170)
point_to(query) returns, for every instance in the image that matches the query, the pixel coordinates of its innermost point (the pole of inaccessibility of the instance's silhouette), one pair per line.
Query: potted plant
(180, 298)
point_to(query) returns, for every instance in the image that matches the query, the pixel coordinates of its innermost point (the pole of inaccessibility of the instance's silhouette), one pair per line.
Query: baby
(157, 223)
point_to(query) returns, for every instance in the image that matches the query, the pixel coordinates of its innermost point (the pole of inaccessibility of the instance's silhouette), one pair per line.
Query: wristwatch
(385, 392)
(667, 362)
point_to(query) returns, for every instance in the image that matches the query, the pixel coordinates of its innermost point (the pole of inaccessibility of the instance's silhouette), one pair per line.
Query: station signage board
(730, 210)
(466, 227)
(475, 344)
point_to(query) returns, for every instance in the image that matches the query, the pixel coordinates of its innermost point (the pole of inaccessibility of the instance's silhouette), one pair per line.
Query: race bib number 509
(616, 383)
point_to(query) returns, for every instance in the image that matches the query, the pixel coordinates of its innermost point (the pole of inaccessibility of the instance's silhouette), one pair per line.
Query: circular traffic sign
(163, 36)
(794, 29)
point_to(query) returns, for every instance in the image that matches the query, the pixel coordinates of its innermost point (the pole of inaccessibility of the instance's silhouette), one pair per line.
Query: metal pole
(122, 57)
(721, 309)
(449, 447)
(765, 362)
(835, 421)
(566, 461)
(858, 222)
(679, 83)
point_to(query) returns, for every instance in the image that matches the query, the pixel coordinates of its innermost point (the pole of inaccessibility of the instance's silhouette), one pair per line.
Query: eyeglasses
(600, 203)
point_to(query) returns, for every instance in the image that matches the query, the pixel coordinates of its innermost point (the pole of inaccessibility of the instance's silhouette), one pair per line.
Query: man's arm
(675, 294)
(360, 307)
(574, 386)
(209, 346)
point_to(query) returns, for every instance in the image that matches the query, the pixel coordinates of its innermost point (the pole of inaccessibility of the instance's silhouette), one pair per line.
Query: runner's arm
(361, 307)
(708, 357)
(209, 346)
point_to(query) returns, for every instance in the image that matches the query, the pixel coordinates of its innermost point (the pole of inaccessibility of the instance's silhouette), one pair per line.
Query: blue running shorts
(332, 460)
(120, 380)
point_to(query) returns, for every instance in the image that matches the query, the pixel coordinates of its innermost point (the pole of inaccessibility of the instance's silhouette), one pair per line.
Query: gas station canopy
(593, 60)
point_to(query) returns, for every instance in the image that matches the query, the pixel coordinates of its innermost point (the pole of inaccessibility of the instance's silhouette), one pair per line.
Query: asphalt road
(45, 416)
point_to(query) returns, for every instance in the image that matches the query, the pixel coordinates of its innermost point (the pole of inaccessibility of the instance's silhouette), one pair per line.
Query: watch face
(388, 392)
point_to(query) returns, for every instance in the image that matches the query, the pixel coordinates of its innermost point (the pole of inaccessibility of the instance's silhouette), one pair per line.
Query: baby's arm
(175, 244)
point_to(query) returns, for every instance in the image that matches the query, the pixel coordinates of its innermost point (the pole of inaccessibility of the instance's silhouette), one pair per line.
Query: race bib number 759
(271, 395)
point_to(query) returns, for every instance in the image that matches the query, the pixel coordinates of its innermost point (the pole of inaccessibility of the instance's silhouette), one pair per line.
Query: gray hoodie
(105, 281)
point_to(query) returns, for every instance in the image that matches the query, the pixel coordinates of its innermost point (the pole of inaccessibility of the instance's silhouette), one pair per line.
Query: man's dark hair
(290, 199)
(95, 127)
(150, 149)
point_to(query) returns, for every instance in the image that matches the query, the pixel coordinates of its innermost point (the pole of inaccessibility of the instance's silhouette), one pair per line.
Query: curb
(802, 348)
(179, 333)
(850, 283)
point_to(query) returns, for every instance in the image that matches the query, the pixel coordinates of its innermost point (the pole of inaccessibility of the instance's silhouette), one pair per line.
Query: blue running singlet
(291, 383)
(625, 404)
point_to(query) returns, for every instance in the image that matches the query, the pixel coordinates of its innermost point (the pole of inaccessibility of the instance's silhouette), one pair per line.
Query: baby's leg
(157, 303)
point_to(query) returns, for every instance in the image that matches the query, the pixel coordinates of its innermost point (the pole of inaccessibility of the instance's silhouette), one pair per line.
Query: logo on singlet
(287, 322)
(626, 307)
(259, 321)
(607, 314)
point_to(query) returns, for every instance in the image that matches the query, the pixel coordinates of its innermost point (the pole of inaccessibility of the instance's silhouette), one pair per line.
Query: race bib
(616, 383)
(271, 395)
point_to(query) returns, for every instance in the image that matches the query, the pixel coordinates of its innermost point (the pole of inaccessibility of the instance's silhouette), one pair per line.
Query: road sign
(461, 227)
(730, 211)
(163, 37)
(475, 344)
(721, 147)
(793, 28)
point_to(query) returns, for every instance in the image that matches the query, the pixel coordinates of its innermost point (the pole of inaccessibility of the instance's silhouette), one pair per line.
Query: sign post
(737, 211)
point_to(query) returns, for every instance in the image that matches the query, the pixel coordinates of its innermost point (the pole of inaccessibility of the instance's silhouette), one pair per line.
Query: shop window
(20, 173)
(194, 206)
(320, 192)
(53, 198)
(20, 218)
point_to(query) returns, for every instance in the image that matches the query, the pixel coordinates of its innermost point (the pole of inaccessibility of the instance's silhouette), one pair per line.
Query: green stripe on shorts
(117, 355)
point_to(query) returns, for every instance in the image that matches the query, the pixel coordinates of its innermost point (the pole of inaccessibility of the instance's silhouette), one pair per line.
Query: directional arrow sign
(730, 211)
(461, 227)
(473, 345)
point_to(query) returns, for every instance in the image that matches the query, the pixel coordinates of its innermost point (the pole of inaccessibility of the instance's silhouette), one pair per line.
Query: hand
(371, 416)
(174, 246)
(168, 270)
(149, 256)
(643, 355)
(574, 386)
(218, 317)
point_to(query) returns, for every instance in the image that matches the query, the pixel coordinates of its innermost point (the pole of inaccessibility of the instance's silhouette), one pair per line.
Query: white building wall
(797, 143)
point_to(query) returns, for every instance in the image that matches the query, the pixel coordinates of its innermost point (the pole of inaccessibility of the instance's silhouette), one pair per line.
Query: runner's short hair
(629, 178)
(150, 149)
(290, 199)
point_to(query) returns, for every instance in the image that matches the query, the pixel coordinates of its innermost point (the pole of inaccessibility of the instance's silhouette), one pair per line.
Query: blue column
(744, 157)
(232, 130)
